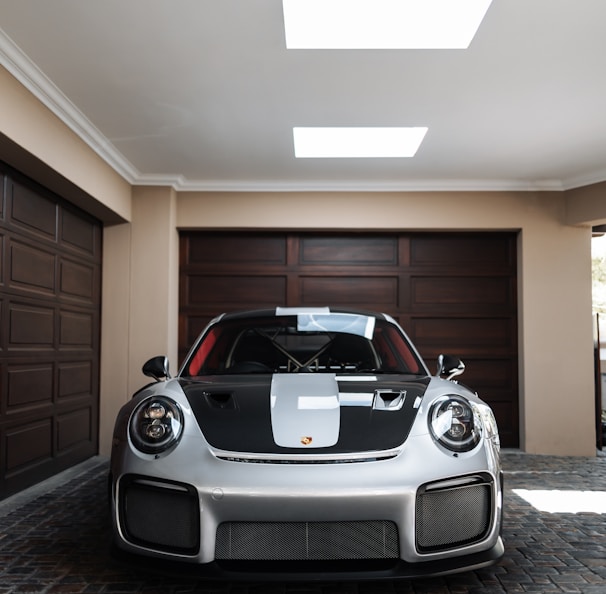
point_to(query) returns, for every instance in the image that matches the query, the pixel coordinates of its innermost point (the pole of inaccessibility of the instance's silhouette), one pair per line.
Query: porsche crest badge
(306, 440)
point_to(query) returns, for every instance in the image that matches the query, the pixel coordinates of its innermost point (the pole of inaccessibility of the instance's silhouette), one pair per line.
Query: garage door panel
(491, 374)
(462, 252)
(30, 326)
(76, 329)
(348, 251)
(77, 280)
(471, 336)
(2, 249)
(32, 269)
(79, 234)
(32, 212)
(462, 293)
(28, 444)
(237, 290)
(75, 378)
(28, 385)
(73, 428)
(349, 291)
(218, 250)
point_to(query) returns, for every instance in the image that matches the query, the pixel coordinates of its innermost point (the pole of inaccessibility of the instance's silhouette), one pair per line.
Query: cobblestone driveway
(55, 538)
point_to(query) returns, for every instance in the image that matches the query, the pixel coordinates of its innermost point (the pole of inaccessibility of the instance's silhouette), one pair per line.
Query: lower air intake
(159, 515)
(453, 517)
(307, 541)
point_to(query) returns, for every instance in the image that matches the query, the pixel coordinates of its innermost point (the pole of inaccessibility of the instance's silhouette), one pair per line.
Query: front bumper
(252, 571)
(181, 523)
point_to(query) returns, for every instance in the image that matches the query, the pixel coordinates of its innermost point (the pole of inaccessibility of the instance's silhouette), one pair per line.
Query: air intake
(306, 541)
(453, 516)
(160, 515)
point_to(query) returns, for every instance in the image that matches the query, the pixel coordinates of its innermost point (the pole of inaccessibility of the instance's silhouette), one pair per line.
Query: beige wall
(140, 299)
(586, 204)
(115, 320)
(154, 279)
(140, 267)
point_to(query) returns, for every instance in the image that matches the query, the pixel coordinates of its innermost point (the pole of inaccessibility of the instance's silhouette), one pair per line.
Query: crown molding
(41, 87)
(182, 184)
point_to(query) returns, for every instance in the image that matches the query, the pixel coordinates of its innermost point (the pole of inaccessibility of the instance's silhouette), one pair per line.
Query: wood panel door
(50, 256)
(452, 292)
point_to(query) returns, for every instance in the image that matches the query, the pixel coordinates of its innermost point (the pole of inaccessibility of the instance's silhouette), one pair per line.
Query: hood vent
(222, 400)
(390, 400)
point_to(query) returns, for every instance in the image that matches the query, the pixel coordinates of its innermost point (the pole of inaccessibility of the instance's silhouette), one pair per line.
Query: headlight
(156, 424)
(454, 423)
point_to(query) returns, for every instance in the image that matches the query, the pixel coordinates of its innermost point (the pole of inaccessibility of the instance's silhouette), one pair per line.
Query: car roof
(268, 312)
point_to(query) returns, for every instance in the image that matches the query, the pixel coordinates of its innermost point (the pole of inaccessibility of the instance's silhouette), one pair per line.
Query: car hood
(305, 412)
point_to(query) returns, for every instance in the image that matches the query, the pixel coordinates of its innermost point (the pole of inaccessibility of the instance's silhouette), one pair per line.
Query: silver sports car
(300, 442)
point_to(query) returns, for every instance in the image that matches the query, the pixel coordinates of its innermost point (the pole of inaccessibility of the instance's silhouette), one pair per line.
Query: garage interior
(149, 183)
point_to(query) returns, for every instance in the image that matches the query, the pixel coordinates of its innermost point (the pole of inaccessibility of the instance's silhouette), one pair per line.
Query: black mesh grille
(453, 517)
(301, 541)
(160, 516)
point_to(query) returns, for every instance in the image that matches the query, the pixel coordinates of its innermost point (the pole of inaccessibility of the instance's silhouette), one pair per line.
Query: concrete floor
(54, 538)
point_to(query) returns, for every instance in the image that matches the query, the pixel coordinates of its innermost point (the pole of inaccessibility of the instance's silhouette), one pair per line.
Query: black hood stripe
(234, 413)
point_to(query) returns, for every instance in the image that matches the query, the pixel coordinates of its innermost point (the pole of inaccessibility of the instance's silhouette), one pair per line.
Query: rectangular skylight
(363, 142)
(382, 24)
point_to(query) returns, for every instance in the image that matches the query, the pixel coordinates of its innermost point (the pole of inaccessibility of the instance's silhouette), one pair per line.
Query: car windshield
(304, 343)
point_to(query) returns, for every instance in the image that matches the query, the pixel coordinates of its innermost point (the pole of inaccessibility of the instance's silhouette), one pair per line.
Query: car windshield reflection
(307, 343)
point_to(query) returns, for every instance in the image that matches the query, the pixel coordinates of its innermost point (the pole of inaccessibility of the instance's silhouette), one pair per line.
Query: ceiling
(203, 95)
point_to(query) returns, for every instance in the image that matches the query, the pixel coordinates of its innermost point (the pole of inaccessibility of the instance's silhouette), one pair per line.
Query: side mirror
(157, 367)
(449, 366)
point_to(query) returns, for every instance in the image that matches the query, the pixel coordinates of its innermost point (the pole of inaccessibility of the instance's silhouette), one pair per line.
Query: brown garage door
(452, 292)
(50, 256)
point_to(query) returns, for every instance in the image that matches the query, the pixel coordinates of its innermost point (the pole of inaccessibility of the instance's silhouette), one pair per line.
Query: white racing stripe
(356, 399)
(305, 411)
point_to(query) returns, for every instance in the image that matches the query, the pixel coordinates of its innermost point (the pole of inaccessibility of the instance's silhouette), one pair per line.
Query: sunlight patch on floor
(556, 501)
